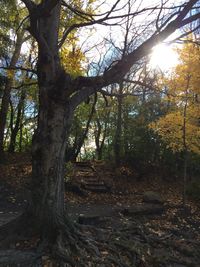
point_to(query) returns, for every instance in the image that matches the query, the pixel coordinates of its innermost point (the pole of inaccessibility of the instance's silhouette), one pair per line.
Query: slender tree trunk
(12, 114)
(185, 177)
(185, 152)
(7, 91)
(15, 129)
(97, 139)
(98, 132)
(84, 135)
(118, 133)
(21, 130)
(126, 132)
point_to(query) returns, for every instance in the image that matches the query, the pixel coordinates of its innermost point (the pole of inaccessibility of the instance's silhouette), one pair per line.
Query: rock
(143, 209)
(91, 219)
(75, 188)
(152, 197)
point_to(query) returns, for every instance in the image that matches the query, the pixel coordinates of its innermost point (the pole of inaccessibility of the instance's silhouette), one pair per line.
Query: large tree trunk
(48, 165)
(49, 141)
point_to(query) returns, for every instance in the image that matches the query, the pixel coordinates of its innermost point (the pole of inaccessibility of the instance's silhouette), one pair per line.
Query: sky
(162, 56)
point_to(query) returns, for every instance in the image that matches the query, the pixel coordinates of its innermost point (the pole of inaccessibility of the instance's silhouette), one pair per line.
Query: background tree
(180, 127)
(14, 12)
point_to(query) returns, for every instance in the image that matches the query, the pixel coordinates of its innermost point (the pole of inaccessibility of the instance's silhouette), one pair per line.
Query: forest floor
(164, 235)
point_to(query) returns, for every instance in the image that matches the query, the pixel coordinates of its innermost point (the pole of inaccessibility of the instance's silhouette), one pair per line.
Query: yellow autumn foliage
(10, 74)
(183, 94)
(72, 59)
(170, 129)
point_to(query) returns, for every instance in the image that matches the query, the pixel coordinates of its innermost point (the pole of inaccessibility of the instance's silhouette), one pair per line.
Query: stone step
(82, 163)
(97, 189)
(143, 209)
(84, 171)
(85, 174)
(93, 183)
(92, 219)
(89, 178)
(76, 188)
(88, 181)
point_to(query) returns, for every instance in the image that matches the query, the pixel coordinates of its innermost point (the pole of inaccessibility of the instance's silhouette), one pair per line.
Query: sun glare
(163, 57)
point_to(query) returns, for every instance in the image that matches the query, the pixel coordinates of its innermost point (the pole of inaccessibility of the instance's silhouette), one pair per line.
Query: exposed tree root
(80, 246)
(73, 247)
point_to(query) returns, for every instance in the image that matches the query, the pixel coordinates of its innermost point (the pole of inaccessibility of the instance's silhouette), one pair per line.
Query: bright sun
(163, 57)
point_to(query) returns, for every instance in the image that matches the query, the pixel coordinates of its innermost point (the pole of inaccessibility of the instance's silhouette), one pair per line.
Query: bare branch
(22, 22)
(85, 14)
(179, 38)
(19, 68)
(105, 93)
(103, 20)
(143, 84)
(122, 67)
(24, 85)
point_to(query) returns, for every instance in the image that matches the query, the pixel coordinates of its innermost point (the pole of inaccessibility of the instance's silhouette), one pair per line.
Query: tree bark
(48, 165)
(54, 119)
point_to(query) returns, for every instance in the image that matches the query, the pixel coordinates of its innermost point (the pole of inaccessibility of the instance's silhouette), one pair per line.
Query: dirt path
(168, 239)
